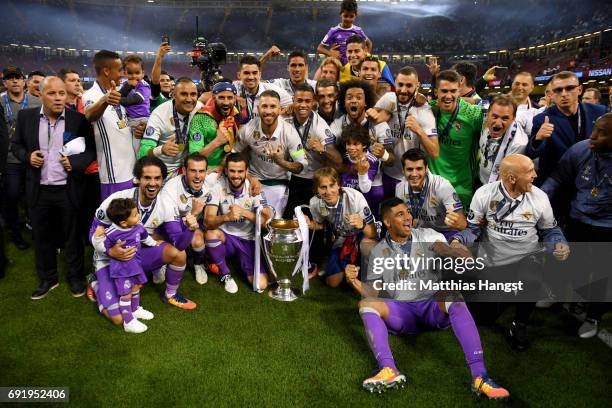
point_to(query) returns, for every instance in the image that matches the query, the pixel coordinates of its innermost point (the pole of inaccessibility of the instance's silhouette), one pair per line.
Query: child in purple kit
(127, 276)
(334, 42)
(135, 94)
(361, 169)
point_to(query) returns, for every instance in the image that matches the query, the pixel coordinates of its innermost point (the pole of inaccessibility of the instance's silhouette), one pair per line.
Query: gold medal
(121, 124)
(181, 146)
(594, 191)
(227, 148)
(324, 211)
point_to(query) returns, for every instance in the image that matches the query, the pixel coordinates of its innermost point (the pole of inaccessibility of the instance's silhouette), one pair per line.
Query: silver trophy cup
(283, 250)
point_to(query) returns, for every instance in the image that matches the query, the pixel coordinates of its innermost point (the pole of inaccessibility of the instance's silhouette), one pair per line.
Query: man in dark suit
(562, 125)
(56, 144)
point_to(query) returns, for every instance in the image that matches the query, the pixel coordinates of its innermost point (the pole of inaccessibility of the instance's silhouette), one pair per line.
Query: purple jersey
(133, 238)
(338, 35)
(141, 110)
(350, 178)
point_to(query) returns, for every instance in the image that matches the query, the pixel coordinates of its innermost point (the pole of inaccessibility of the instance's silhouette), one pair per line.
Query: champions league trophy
(286, 250)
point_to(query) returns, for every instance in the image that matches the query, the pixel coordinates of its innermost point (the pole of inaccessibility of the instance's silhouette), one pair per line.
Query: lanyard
(403, 248)
(493, 155)
(513, 206)
(304, 135)
(9, 111)
(338, 214)
(188, 189)
(417, 200)
(145, 212)
(447, 129)
(182, 132)
(250, 100)
(116, 108)
(402, 121)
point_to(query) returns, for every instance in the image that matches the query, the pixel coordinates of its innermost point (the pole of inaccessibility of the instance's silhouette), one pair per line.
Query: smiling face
(225, 102)
(302, 104)
(195, 173)
(405, 87)
(415, 172)
(329, 71)
(448, 92)
(297, 70)
(522, 86)
(355, 53)
(347, 18)
(114, 71)
(354, 148)
(185, 97)
(150, 183)
(134, 71)
(250, 75)
(398, 221)
(327, 97)
(370, 72)
(269, 109)
(329, 190)
(499, 119)
(236, 174)
(355, 102)
(165, 83)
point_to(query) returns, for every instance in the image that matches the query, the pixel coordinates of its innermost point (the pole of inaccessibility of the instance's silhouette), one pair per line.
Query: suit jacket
(25, 141)
(550, 150)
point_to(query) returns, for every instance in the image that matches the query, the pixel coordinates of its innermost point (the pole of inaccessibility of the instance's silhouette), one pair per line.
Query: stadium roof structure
(234, 3)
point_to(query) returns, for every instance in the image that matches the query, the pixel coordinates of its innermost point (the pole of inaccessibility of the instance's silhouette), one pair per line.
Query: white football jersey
(161, 126)
(287, 85)
(407, 139)
(524, 116)
(253, 100)
(438, 197)
(177, 192)
(512, 224)
(351, 201)
(160, 212)
(318, 129)
(222, 197)
(114, 140)
(260, 165)
(513, 141)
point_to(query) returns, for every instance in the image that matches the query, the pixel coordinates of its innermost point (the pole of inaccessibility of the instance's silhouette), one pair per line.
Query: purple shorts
(106, 296)
(412, 317)
(389, 184)
(449, 234)
(152, 258)
(244, 250)
(108, 189)
(124, 285)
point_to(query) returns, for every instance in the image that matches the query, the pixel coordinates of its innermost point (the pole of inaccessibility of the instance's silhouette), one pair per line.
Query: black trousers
(55, 214)
(300, 192)
(91, 203)
(13, 193)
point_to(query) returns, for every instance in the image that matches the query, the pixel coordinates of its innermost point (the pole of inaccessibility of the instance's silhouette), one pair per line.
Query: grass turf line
(247, 349)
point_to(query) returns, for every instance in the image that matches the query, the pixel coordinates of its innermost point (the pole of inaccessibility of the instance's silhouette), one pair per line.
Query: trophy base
(282, 294)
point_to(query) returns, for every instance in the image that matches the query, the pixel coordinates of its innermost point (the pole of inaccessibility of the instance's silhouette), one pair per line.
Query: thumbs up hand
(546, 130)
(113, 97)
(170, 148)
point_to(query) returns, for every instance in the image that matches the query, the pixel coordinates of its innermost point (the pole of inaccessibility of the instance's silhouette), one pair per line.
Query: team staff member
(54, 186)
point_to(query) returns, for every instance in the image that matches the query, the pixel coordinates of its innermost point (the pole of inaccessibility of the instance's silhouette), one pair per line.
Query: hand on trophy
(351, 272)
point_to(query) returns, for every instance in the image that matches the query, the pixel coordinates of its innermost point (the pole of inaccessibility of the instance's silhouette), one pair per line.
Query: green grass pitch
(249, 350)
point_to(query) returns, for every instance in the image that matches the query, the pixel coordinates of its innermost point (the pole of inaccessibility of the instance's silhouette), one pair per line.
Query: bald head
(517, 172)
(53, 95)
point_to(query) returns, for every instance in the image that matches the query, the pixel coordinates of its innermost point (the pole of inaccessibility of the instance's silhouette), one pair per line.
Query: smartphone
(501, 72)
(165, 39)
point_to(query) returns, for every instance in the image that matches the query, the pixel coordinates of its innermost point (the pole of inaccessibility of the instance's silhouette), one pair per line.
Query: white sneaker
(229, 283)
(588, 329)
(200, 274)
(160, 276)
(143, 314)
(135, 326)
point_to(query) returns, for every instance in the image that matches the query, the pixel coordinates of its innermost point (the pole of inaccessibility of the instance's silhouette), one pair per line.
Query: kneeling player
(406, 311)
(187, 193)
(350, 218)
(230, 223)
